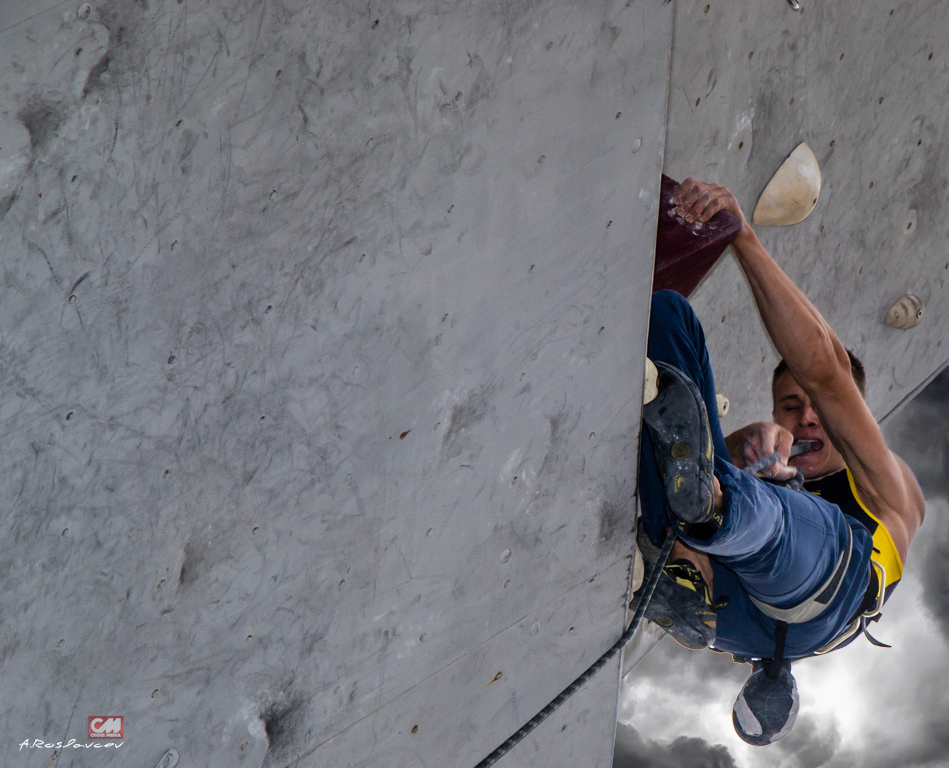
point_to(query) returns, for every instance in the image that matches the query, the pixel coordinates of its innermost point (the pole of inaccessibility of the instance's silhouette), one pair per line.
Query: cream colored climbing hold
(792, 192)
(905, 313)
(650, 385)
(723, 405)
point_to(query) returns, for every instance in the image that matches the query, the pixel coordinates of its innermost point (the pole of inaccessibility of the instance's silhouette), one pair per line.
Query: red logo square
(105, 727)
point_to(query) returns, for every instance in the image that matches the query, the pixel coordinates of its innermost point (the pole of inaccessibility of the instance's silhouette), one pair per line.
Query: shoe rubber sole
(682, 442)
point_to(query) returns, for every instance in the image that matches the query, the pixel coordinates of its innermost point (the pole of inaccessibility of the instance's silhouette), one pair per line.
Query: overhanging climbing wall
(322, 345)
(865, 85)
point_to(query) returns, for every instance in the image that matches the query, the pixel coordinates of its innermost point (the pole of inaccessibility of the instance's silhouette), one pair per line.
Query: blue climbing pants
(776, 544)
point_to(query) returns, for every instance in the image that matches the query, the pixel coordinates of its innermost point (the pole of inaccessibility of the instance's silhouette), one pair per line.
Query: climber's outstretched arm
(818, 362)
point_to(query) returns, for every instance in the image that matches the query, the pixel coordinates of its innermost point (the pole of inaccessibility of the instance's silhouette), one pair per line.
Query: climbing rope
(597, 665)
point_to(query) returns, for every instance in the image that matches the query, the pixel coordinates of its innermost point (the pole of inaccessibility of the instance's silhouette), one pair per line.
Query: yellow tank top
(840, 489)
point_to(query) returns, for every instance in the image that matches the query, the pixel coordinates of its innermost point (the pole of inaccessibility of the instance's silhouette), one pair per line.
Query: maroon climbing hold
(685, 253)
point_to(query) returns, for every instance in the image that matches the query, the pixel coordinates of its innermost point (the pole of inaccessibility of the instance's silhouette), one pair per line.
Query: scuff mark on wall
(41, 116)
(465, 416)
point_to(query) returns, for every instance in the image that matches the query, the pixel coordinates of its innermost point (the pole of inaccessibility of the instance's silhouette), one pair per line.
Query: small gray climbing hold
(169, 760)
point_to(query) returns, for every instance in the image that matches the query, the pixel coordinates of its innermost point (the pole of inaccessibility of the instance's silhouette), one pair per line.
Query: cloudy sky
(864, 706)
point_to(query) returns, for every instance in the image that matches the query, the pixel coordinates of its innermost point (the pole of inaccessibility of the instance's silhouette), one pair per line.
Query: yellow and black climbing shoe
(682, 604)
(686, 575)
(681, 612)
(682, 442)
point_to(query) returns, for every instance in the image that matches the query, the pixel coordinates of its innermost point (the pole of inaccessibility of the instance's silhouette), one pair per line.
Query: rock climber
(761, 570)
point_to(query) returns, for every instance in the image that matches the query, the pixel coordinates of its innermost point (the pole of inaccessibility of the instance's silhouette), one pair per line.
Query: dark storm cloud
(809, 745)
(633, 751)
(935, 573)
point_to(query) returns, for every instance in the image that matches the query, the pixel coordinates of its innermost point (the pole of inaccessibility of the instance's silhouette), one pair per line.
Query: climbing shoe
(767, 706)
(682, 442)
(687, 576)
(682, 603)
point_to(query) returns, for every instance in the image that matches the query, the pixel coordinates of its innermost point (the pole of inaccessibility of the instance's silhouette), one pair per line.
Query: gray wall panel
(865, 85)
(322, 340)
